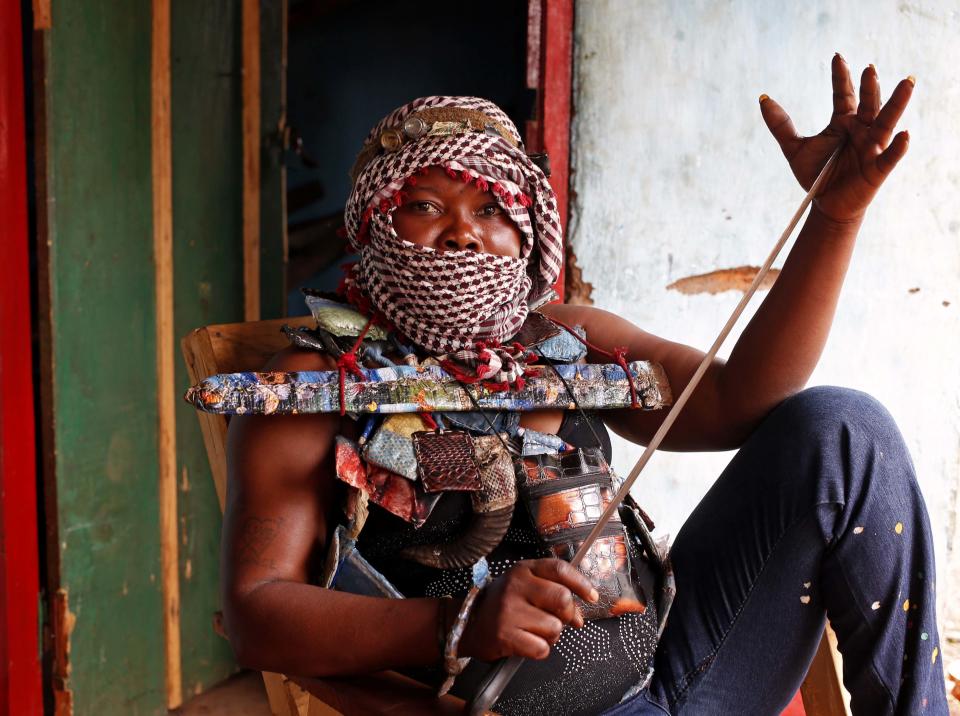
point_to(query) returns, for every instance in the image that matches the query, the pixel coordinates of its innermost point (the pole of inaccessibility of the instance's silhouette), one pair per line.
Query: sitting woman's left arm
(779, 348)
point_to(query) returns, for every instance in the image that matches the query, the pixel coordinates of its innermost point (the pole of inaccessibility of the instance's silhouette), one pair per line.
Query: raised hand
(868, 155)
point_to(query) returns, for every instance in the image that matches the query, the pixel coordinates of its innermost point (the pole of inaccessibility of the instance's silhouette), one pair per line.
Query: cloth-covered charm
(391, 447)
(340, 319)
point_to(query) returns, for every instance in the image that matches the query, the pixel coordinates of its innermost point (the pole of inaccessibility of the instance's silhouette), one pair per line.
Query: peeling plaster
(674, 174)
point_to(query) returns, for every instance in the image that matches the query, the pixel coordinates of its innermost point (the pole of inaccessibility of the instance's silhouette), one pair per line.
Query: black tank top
(588, 670)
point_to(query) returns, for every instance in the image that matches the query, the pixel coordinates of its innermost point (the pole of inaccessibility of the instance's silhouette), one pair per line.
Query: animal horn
(485, 532)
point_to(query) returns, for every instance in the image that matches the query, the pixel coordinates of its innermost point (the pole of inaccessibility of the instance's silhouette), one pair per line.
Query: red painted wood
(20, 693)
(795, 707)
(556, 57)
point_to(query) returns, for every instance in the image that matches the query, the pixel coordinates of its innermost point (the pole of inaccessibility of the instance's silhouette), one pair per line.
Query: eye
(422, 207)
(491, 209)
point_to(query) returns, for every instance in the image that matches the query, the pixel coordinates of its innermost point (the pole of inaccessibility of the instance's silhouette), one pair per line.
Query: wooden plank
(161, 161)
(273, 172)
(251, 159)
(555, 92)
(207, 223)
(380, 693)
(19, 567)
(821, 687)
(100, 305)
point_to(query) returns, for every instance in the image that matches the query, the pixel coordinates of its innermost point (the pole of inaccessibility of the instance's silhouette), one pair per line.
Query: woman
(818, 513)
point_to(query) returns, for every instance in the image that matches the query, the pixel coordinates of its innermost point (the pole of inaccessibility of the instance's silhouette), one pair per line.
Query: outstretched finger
(844, 99)
(888, 158)
(780, 126)
(886, 121)
(869, 95)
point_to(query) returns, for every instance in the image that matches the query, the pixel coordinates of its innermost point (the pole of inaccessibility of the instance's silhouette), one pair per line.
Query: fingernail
(873, 67)
(837, 54)
(906, 135)
(912, 80)
(594, 595)
(764, 98)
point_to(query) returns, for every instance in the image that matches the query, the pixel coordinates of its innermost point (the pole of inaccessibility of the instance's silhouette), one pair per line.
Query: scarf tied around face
(458, 306)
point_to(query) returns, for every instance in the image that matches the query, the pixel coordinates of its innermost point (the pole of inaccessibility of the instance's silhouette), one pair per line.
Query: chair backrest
(230, 348)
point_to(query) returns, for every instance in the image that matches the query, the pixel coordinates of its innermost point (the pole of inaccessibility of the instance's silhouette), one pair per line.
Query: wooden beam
(555, 93)
(42, 17)
(251, 159)
(162, 171)
(19, 559)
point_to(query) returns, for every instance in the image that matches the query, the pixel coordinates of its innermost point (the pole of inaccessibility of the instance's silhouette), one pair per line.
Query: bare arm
(781, 345)
(281, 500)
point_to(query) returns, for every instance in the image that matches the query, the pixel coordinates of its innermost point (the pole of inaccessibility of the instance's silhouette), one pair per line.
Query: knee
(837, 417)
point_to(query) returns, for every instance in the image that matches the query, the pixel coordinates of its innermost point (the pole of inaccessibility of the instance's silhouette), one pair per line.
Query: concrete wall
(675, 174)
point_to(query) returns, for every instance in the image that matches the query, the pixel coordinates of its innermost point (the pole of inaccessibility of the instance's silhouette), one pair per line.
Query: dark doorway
(352, 62)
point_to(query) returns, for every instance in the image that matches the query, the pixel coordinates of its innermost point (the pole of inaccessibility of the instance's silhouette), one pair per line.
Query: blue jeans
(819, 514)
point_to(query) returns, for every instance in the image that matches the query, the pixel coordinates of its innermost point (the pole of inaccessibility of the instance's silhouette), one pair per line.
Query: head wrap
(461, 303)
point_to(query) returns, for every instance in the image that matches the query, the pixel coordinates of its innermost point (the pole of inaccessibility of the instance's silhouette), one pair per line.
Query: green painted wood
(101, 292)
(273, 184)
(208, 277)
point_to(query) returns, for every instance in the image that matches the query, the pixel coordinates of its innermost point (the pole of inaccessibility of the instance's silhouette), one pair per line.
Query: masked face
(446, 214)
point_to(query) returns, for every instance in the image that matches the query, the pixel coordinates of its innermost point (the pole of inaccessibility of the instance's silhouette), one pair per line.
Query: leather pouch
(446, 461)
(565, 494)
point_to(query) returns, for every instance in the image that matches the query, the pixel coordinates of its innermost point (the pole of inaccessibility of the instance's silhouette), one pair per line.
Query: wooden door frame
(550, 73)
(20, 680)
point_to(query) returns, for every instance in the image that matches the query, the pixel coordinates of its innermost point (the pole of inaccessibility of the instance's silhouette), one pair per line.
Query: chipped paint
(731, 279)
(576, 290)
(62, 625)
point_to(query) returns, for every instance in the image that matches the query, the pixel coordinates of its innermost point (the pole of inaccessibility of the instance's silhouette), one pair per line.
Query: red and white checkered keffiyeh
(459, 304)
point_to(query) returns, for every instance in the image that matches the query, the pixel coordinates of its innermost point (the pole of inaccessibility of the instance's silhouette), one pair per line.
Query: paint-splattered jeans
(818, 514)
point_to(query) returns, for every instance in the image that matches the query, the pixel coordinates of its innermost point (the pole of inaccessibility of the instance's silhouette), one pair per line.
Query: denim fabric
(819, 513)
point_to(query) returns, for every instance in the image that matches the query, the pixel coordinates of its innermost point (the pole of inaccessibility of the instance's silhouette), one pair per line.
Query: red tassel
(465, 176)
(411, 180)
(482, 184)
(452, 173)
(497, 189)
(500, 387)
(620, 355)
(423, 170)
(524, 200)
(399, 197)
(348, 362)
(384, 206)
(508, 199)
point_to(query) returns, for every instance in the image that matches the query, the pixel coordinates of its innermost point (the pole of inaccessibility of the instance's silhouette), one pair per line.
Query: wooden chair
(235, 347)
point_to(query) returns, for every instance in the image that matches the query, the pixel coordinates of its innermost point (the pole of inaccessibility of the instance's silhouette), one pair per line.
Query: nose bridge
(461, 231)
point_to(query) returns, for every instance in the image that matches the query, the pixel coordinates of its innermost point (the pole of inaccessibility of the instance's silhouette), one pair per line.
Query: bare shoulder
(608, 331)
(283, 448)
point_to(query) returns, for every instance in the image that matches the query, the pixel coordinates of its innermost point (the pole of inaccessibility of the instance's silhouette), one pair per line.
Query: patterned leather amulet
(446, 461)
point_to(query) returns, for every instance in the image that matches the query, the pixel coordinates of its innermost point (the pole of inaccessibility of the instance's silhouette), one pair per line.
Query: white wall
(675, 174)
